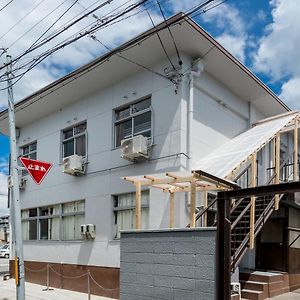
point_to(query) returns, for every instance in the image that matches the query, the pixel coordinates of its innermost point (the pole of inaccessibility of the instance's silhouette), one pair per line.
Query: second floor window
(74, 140)
(29, 151)
(132, 120)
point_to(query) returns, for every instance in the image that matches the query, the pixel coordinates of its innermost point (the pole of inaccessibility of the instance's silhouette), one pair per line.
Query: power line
(129, 60)
(43, 42)
(6, 5)
(3, 35)
(139, 39)
(53, 24)
(62, 45)
(160, 40)
(163, 15)
(40, 21)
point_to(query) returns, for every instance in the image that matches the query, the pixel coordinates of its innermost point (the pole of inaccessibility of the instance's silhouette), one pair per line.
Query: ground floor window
(54, 222)
(124, 212)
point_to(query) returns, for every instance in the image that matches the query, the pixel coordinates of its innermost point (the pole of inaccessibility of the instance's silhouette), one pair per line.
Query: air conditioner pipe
(197, 69)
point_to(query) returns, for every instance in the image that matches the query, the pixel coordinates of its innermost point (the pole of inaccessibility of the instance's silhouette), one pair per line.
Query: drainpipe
(197, 69)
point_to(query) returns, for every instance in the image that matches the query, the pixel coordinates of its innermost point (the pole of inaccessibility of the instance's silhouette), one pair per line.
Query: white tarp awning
(226, 158)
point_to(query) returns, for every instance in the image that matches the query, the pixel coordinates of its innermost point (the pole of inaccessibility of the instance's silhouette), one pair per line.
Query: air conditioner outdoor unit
(135, 147)
(73, 165)
(88, 231)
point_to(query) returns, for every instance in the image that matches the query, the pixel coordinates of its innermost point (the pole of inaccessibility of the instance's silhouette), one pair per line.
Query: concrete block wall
(174, 264)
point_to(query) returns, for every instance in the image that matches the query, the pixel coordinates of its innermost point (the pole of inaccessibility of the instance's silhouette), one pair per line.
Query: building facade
(184, 113)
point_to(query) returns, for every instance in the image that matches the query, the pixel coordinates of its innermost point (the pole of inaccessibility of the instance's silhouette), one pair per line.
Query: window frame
(131, 117)
(73, 137)
(24, 172)
(116, 209)
(58, 215)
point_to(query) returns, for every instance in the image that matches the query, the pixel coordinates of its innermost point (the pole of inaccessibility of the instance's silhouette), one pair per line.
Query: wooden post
(193, 204)
(252, 208)
(295, 169)
(138, 205)
(171, 222)
(273, 158)
(277, 168)
(205, 206)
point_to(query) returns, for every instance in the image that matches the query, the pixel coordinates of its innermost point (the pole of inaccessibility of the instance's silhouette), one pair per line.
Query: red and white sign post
(36, 169)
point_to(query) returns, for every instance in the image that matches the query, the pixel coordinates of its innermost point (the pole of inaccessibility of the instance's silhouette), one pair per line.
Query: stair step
(254, 285)
(253, 295)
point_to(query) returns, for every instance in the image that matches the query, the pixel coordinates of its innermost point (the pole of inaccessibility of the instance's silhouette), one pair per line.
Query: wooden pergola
(179, 182)
(201, 181)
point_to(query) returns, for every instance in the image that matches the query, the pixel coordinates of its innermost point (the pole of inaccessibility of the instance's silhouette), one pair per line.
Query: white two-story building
(175, 115)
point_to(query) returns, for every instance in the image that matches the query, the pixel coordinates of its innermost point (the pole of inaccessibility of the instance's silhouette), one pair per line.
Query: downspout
(197, 69)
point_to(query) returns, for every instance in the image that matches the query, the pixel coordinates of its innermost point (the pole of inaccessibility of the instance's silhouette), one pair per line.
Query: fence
(87, 275)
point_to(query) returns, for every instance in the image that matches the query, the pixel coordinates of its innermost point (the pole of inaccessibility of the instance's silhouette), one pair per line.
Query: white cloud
(235, 44)
(233, 34)
(290, 92)
(278, 52)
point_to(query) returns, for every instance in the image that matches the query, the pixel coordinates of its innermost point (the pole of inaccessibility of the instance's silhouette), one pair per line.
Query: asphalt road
(3, 266)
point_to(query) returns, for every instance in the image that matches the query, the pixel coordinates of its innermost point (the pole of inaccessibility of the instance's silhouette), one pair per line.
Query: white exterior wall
(213, 125)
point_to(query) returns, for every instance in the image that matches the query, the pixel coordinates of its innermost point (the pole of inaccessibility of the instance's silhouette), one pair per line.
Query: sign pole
(19, 259)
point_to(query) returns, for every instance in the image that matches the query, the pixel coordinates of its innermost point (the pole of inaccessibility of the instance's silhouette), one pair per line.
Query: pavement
(37, 292)
(295, 295)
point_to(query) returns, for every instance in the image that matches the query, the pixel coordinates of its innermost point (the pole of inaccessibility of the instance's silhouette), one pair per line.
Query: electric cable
(36, 24)
(160, 40)
(6, 5)
(142, 37)
(53, 24)
(49, 52)
(34, 46)
(129, 60)
(18, 22)
(163, 15)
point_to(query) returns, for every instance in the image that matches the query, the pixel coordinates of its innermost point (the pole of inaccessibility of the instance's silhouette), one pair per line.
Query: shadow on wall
(85, 252)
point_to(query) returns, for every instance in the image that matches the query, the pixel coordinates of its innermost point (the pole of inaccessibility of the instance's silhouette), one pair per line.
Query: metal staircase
(241, 209)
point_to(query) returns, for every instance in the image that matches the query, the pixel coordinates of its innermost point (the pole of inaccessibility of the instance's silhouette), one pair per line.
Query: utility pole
(14, 171)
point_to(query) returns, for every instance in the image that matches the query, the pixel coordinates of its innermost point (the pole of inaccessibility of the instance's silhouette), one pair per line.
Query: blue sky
(263, 34)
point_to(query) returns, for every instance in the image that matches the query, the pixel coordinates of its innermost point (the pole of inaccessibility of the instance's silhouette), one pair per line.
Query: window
(72, 218)
(55, 222)
(74, 140)
(28, 151)
(124, 212)
(133, 120)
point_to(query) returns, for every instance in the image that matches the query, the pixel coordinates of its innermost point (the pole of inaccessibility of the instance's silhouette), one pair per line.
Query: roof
(146, 50)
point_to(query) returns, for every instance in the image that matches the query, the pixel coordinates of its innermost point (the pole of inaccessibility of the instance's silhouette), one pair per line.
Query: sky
(262, 34)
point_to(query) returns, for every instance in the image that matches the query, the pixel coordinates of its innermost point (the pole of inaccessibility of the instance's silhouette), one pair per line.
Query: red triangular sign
(37, 169)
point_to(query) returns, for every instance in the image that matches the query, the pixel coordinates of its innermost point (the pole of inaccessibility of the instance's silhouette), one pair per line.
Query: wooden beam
(252, 208)
(295, 167)
(277, 168)
(138, 205)
(192, 204)
(274, 118)
(205, 206)
(171, 220)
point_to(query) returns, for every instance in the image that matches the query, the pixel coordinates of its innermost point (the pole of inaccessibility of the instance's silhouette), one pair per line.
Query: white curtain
(126, 217)
(68, 228)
